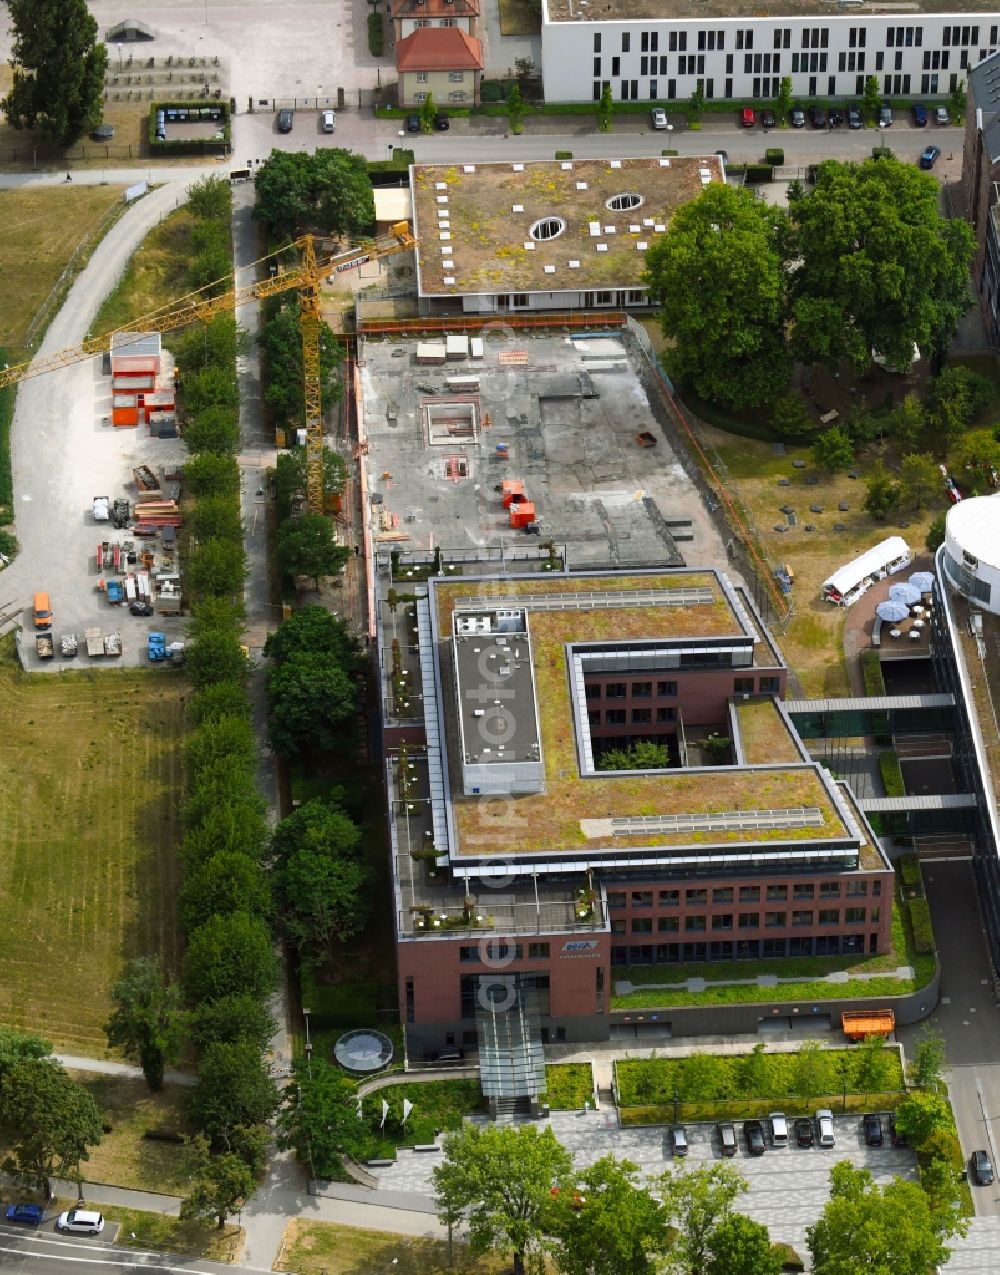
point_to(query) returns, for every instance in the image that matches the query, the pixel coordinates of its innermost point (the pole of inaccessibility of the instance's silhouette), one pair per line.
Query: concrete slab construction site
(560, 415)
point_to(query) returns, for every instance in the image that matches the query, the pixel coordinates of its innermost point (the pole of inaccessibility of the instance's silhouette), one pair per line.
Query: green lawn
(438, 1105)
(568, 1085)
(323, 1248)
(156, 274)
(88, 859)
(126, 1157)
(170, 1234)
(805, 1074)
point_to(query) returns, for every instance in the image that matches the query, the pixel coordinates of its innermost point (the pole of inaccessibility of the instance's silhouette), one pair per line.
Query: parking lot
(787, 1188)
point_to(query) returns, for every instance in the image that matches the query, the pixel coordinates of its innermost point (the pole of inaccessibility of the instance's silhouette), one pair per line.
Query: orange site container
(511, 492)
(521, 514)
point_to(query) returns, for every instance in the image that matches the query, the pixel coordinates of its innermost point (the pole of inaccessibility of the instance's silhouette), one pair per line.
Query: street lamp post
(309, 1048)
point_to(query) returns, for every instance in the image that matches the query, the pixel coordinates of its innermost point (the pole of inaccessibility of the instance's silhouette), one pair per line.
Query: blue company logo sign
(580, 947)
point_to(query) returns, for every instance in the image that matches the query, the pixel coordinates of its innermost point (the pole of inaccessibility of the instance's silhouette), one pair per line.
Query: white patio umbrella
(892, 612)
(922, 580)
(904, 593)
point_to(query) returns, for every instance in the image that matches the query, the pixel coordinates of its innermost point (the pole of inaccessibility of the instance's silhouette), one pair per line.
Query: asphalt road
(45, 1252)
(967, 1016)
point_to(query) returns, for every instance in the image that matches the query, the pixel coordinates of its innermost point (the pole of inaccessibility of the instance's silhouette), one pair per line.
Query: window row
(699, 924)
(640, 716)
(638, 690)
(501, 952)
(743, 949)
(696, 896)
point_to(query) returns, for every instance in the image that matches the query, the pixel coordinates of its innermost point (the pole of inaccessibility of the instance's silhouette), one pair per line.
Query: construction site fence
(706, 468)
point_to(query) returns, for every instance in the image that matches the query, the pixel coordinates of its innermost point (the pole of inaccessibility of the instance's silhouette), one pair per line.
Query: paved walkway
(107, 1067)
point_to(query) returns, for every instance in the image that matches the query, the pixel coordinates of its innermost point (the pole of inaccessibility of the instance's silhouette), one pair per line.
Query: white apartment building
(660, 50)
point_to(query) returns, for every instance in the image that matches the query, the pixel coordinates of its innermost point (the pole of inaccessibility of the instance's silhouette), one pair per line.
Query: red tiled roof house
(443, 61)
(415, 15)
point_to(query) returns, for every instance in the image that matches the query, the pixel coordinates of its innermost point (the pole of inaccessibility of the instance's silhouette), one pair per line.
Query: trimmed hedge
(758, 174)
(920, 920)
(892, 775)
(871, 672)
(774, 155)
(908, 868)
(376, 34)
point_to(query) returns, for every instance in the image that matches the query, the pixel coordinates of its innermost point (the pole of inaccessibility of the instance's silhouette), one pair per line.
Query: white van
(80, 1222)
(327, 121)
(779, 1129)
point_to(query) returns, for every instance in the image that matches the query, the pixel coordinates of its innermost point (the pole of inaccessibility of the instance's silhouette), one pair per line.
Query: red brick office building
(524, 873)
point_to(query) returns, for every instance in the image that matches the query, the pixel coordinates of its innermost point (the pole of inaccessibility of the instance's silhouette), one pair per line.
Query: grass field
(41, 229)
(125, 1157)
(170, 1234)
(91, 821)
(322, 1248)
(156, 273)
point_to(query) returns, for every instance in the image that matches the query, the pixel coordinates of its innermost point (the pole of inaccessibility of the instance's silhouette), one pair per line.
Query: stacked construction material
(156, 514)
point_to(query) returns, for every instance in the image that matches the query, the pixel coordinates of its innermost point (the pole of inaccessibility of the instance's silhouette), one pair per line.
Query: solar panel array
(719, 821)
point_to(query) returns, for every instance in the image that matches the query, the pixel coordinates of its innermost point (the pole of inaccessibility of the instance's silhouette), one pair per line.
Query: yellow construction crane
(202, 306)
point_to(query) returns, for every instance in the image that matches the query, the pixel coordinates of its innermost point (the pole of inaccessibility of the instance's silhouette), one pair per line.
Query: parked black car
(767, 119)
(798, 117)
(873, 1129)
(804, 1133)
(727, 1137)
(441, 122)
(854, 116)
(753, 1132)
(413, 123)
(919, 113)
(817, 117)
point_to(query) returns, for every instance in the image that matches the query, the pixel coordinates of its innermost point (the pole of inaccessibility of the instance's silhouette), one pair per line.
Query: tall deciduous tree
(222, 1185)
(321, 899)
(16, 1046)
(281, 344)
(242, 1016)
(834, 449)
(607, 1222)
(313, 630)
(697, 1202)
(741, 1246)
(312, 702)
(290, 476)
(718, 275)
(880, 269)
(921, 1114)
(884, 1229)
(226, 882)
(49, 1123)
(319, 1119)
(927, 1063)
(58, 66)
(502, 1177)
(234, 1090)
(881, 493)
(146, 1021)
(329, 192)
(920, 481)
(307, 546)
(229, 955)
(644, 754)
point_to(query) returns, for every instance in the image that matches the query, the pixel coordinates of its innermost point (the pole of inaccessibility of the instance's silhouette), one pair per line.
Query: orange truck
(859, 1024)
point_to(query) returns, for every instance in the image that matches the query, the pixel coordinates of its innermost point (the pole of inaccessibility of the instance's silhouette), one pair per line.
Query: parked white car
(80, 1222)
(659, 117)
(824, 1127)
